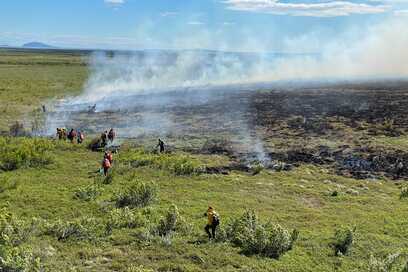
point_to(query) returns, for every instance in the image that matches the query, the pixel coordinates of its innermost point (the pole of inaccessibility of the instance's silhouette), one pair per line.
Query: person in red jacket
(109, 156)
(106, 166)
(72, 135)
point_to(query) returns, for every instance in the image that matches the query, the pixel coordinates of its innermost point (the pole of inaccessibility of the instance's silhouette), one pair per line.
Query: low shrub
(18, 259)
(168, 223)
(14, 232)
(79, 229)
(138, 195)
(14, 256)
(257, 169)
(343, 240)
(144, 235)
(88, 192)
(177, 164)
(384, 264)
(334, 193)
(182, 166)
(124, 218)
(404, 193)
(405, 269)
(24, 152)
(270, 240)
(172, 222)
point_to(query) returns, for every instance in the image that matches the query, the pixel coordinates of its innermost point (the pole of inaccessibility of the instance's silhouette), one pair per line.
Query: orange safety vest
(106, 163)
(110, 157)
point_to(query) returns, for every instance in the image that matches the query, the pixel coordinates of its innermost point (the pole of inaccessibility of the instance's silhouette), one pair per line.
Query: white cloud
(402, 12)
(195, 23)
(315, 9)
(168, 13)
(114, 2)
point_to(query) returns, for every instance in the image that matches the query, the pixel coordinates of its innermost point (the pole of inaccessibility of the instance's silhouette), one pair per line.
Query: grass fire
(204, 137)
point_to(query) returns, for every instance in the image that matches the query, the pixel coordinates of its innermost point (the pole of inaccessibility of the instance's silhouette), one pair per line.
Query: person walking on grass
(161, 146)
(111, 135)
(213, 222)
(80, 137)
(106, 165)
(108, 155)
(72, 135)
(104, 137)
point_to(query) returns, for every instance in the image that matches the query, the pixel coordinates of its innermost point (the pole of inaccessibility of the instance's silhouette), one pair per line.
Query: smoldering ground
(202, 94)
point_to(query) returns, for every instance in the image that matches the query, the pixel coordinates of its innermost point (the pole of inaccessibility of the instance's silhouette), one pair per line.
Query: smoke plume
(141, 92)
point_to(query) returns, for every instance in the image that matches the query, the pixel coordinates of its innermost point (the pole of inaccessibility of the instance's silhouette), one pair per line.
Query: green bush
(343, 240)
(79, 229)
(168, 223)
(138, 195)
(171, 222)
(404, 193)
(88, 192)
(14, 256)
(405, 269)
(270, 240)
(124, 218)
(257, 169)
(18, 259)
(334, 193)
(14, 232)
(177, 164)
(24, 152)
(383, 264)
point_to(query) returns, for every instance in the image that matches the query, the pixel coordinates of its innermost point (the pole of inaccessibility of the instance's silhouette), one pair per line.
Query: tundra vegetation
(327, 212)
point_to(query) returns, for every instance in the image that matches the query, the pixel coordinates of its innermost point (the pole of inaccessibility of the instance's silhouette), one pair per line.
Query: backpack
(216, 219)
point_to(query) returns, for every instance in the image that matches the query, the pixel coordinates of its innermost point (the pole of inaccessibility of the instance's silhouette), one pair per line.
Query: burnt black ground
(330, 124)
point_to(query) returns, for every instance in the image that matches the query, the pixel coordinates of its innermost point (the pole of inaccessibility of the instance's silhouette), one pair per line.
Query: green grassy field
(30, 79)
(44, 193)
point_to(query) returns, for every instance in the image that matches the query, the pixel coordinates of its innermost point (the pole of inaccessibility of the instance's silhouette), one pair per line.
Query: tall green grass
(177, 164)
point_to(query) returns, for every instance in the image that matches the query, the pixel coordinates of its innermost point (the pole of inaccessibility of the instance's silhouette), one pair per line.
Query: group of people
(108, 136)
(213, 219)
(72, 135)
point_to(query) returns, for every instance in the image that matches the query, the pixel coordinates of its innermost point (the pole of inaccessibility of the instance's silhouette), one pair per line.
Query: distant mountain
(37, 45)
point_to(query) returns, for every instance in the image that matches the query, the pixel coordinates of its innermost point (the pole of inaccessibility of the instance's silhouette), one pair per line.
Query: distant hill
(37, 45)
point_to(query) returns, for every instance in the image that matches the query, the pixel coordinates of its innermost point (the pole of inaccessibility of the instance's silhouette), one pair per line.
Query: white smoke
(138, 83)
(381, 52)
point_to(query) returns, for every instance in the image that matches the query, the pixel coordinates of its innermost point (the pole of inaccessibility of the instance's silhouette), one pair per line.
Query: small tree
(343, 240)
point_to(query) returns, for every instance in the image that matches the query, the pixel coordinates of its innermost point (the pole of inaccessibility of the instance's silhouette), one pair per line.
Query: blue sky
(242, 25)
